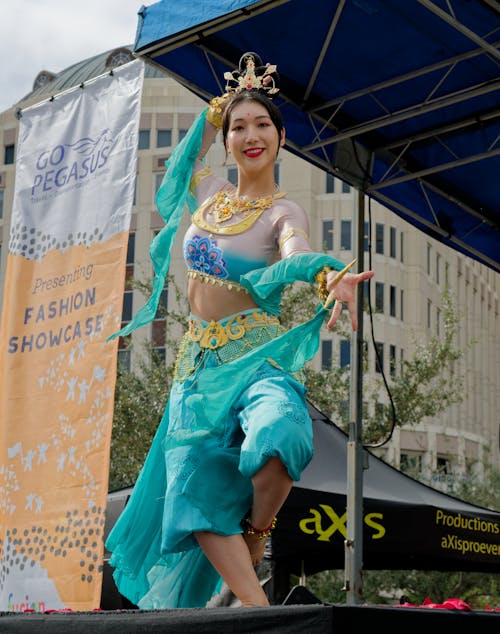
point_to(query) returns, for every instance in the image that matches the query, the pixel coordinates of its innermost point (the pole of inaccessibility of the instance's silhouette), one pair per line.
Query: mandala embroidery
(203, 254)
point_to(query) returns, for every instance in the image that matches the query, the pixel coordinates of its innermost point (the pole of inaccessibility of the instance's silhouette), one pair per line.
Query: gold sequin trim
(215, 335)
(294, 231)
(216, 281)
(198, 177)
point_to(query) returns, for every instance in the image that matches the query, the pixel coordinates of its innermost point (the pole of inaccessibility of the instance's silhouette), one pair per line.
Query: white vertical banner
(75, 179)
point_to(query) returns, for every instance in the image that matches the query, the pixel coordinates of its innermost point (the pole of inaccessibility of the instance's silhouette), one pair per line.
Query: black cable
(368, 179)
(372, 330)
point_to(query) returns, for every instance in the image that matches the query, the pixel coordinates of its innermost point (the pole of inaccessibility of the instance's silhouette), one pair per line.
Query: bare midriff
(216, 302)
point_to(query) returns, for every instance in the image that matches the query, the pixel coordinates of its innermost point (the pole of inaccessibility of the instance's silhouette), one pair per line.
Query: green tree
(141, 395)
(426, 385)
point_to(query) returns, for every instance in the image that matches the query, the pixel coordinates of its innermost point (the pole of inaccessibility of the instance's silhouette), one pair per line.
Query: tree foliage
(141, 395)
(426, 384)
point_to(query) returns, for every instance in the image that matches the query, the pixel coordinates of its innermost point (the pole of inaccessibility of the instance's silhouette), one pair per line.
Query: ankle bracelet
(262, 533)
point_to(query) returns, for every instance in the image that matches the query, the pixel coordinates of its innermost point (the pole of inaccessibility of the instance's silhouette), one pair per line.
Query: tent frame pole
(353, 582)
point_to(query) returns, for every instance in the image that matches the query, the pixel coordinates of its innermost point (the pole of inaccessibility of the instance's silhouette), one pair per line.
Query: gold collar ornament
(224, 205)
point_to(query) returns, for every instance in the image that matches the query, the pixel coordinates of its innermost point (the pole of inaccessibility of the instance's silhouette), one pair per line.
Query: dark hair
(252, 95)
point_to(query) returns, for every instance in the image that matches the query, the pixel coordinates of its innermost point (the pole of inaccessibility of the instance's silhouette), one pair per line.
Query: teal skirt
(197, 481)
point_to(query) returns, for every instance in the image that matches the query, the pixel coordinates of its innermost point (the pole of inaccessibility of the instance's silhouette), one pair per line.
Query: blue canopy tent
(399, 99)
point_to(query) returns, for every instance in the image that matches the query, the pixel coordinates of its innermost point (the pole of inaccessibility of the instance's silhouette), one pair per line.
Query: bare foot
(256, 547)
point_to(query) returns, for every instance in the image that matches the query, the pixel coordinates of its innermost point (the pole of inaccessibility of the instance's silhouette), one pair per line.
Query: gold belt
(215, 335)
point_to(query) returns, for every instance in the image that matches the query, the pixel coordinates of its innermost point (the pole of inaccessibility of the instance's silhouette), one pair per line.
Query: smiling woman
(236, 431)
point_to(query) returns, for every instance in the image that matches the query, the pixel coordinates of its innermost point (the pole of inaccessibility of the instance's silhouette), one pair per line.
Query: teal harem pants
(197, 477)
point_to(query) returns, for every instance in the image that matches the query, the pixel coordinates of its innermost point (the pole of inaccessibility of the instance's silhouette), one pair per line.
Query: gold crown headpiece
(252, 74)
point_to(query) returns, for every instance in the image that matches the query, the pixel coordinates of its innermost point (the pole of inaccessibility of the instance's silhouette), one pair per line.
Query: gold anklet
(262, 533)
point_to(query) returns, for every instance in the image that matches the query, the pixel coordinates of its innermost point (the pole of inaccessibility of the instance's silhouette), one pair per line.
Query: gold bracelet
(214, 113)
(321, 280)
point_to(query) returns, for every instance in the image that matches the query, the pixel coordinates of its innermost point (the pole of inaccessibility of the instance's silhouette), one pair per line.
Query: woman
(236, 431)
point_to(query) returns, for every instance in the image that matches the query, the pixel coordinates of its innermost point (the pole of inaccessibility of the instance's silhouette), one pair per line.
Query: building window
(127, 306)
(379, 356)
(129, 274)
(118, 57)
(346, 188)
(232, 175)
(328, 235)
(162, 304)
(345, 235)
(429, 310)
(330, 184)
(182, 134)
(392, 242)
(277, 173)
(2, 193)
(131, 248)
(43, 78)
(9, 154)
(410, 463)
(392, 300)
(163, 138)
(366, 294)
(438, 322)
(401, 304)
(124, 354)
(438, 262)
(158, 180)
(379, 297)
(159, 355)
(392, 360)
(428, 259)
(379, 238)
(158, 340)
(326, 354)
(345, 353)
(443, 465)
(401, 246)
(144, 139)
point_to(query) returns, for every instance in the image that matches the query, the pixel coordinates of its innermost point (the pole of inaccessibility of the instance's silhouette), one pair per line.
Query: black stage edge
(289, 619)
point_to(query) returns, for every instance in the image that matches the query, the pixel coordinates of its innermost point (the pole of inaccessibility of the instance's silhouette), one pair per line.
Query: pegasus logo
(58, 168)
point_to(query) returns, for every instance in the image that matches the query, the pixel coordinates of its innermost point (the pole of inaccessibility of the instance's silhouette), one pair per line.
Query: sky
(51, 35)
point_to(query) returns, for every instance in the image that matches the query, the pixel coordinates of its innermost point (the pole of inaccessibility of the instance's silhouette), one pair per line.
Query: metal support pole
(354, 540)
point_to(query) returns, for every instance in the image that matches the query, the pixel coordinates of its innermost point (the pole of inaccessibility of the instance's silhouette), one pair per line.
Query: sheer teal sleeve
(266, 285)
(171, 198)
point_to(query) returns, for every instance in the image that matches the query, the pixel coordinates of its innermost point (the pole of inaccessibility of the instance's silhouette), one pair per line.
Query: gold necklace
(225, 206)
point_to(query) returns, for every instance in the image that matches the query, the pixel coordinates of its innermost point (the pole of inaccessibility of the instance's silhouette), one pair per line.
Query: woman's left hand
(344, 291)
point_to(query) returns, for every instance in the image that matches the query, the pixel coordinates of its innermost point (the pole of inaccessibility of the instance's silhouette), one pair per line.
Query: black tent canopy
(407, 525)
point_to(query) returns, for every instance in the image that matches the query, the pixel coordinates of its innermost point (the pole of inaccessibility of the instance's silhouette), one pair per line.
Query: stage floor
(292, 619)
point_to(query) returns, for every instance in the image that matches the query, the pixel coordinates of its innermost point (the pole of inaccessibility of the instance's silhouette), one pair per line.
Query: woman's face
(252, 137)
